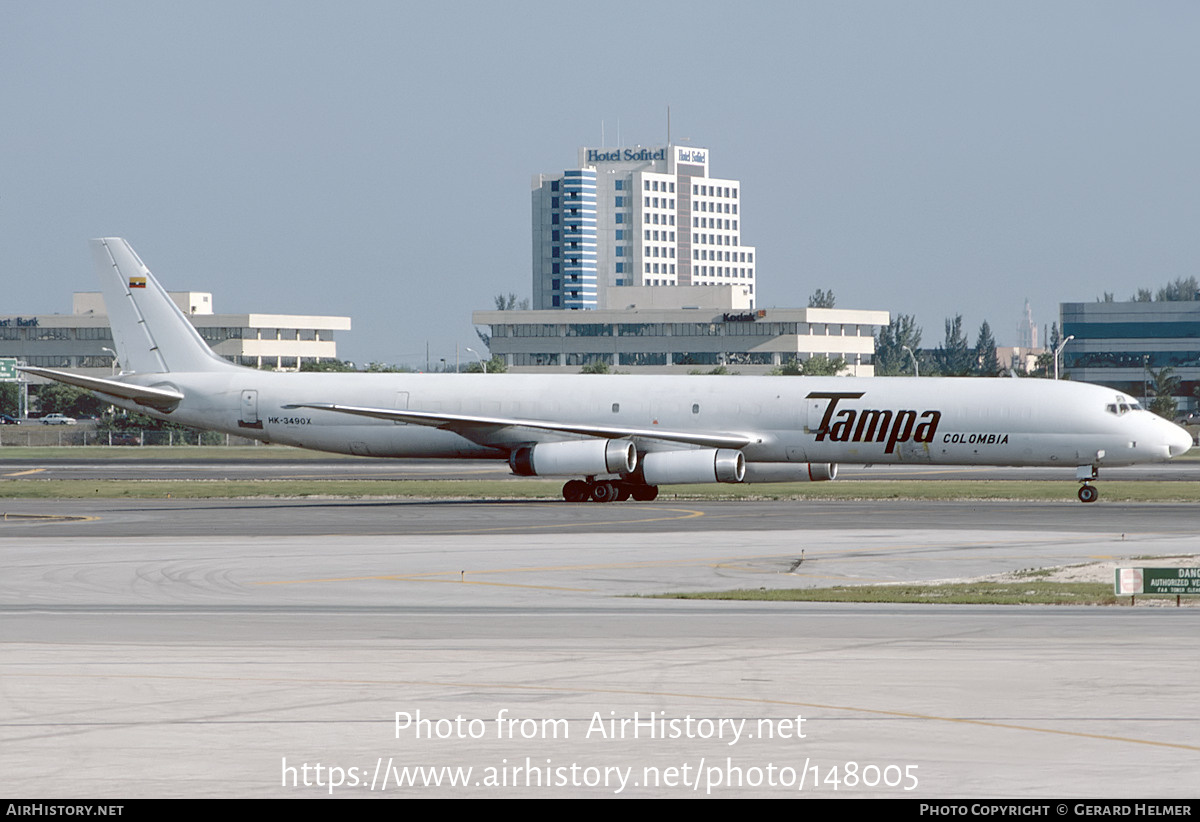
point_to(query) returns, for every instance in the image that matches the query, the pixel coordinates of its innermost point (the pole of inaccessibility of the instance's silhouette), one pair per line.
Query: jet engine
(790, 471)
(578, 457)
(703, 465)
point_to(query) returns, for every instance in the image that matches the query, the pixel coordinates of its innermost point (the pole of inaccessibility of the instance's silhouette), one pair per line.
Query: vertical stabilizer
(151, 334)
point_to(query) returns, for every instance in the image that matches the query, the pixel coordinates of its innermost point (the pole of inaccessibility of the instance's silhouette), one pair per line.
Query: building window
(620, 202)
(619, 185)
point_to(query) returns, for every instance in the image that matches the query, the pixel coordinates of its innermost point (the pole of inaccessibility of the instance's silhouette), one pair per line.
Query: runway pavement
(229, 648)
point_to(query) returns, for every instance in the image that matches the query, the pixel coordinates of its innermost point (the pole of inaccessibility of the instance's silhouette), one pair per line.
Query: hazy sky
(373, 159)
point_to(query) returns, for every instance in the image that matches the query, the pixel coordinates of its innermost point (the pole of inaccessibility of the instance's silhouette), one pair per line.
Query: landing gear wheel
(624, 492)
(1088, 493)
(604, 492)
(645, 493)
(576, 491)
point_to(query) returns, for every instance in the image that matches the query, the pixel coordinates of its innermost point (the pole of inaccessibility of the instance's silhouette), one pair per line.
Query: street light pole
(1058, 351)
(482, 364)
(916, 365)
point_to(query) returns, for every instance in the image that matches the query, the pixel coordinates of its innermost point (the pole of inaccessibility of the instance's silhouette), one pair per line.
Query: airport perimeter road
(299, 649)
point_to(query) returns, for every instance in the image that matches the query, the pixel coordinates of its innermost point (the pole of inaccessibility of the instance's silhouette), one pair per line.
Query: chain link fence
(34, 433)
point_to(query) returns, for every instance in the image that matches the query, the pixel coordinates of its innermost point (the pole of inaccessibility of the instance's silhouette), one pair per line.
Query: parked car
(125, 439)
(57, 419)
(5, 419)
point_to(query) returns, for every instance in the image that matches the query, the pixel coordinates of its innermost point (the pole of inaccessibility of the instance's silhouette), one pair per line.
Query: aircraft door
(249, 410)
(815, 409)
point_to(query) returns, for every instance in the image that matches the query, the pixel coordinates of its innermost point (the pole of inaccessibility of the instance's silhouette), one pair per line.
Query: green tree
(818, 365)
(1182, 290)
(57, 398)
(821, 299)
(385, 368)
(327, 365)
(596, 367)
(1043, 367)
(495, 365)
(10, 398)
(1143, 295)
(155, 432)
(509, 302)
(1166, 384)
(954, 357)
(988, 364)
(890, 357)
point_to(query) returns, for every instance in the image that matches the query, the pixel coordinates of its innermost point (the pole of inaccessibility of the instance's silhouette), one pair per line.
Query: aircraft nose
(1179, 441)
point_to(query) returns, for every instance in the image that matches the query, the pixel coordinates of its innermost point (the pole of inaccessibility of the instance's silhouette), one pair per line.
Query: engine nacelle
(576, 458)
(790, 471)
(703, 465)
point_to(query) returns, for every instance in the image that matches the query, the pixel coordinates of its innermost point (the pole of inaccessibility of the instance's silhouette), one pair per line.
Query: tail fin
(151, 334)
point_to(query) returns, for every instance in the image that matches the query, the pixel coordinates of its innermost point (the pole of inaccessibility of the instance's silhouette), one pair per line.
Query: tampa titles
(872, 425)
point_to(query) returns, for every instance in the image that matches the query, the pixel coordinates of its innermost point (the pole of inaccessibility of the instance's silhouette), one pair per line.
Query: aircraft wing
(161, 398)
(462, 422)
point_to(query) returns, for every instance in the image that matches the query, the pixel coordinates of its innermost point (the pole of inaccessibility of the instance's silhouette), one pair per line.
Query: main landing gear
(607, 491)
(1085, 474)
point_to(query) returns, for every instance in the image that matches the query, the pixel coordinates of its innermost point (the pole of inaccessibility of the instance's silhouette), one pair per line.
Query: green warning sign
(1168, 581)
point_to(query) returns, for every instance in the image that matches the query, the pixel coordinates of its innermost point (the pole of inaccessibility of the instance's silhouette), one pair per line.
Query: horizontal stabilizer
(164, 399)
(455, 422)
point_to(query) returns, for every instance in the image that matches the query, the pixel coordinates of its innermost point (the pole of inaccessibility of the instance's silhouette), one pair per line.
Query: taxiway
(215, 648)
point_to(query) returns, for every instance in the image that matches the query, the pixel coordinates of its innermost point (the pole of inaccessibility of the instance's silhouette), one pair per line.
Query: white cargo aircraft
(619, 436)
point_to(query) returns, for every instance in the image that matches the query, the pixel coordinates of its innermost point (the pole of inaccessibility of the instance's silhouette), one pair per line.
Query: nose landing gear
(1086, 474)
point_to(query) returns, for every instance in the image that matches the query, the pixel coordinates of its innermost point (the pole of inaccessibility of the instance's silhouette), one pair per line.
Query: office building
(636, 217)
(656, 334)
(82, 339)
(1118, 344)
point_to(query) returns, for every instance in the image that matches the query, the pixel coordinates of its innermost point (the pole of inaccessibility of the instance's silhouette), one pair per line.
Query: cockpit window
(1123, 405)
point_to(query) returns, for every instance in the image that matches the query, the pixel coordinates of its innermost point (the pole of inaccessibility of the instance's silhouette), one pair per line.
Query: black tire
(576, 491)
(604, 492)
(1088, 493)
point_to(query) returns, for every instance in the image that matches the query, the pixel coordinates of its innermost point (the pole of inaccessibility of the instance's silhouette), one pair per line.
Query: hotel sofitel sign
(626, 155)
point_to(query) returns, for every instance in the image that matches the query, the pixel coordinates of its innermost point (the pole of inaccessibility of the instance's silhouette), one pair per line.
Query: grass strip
(1025, 592)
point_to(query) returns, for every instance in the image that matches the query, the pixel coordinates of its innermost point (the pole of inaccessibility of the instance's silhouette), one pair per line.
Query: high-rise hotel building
(636, 217)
